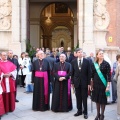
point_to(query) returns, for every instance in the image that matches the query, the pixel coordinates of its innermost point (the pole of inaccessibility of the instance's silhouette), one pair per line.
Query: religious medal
(40, 68)
(79, 68)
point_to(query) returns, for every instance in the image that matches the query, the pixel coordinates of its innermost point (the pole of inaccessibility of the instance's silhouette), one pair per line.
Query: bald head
(4, 56)
(91, 54)
(62, 57)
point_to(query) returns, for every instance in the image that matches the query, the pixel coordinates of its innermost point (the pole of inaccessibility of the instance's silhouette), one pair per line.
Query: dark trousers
(81, 98)
(52, 83)
(114, 90)
(16, 86)
(23, 80)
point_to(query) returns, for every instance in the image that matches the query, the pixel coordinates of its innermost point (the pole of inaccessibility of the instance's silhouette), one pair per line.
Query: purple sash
(45, 76)
(64, 73)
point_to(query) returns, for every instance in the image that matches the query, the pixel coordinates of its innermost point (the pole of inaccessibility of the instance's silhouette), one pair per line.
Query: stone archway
(50, 20)
(61, 37)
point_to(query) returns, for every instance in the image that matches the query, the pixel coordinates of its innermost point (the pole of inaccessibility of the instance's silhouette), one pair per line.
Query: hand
(60, 79)
(107, 89)
(89, 87)
(73, 86)
(7, 75)
(63, 78)
(21, 67)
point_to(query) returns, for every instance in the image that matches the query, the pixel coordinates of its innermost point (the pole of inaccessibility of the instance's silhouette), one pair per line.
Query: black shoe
(101, 117)
(97, 117)
(26, 92)
(16, 100)
(77, 114)
(114, 101)
(85, 116)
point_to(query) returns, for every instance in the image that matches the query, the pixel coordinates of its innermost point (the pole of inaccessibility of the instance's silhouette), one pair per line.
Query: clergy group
(62, 76)
(58, 72)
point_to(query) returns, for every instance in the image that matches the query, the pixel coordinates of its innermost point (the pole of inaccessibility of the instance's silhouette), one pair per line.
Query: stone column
(15, 44)
(88, 41)
(47, 43)
(75, 33)
(44, 40)
(80, 21)
(85, 25)
(15, 20)
(24, 4)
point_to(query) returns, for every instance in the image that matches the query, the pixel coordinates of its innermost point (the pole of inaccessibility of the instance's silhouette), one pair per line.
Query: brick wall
(118, 23)
(113, 7)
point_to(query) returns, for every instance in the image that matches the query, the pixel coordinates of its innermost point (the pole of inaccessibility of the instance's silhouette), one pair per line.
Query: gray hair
(78, 49)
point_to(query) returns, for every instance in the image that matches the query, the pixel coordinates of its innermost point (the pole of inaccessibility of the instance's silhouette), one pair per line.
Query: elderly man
(15, 62)
(8, 75)
(40, 79)
(61, 100)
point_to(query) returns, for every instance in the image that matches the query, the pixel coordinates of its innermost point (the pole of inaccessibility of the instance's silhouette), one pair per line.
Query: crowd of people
(56, 72)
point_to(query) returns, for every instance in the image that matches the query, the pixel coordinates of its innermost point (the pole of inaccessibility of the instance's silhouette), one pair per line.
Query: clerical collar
(10, 58)
(62, 66)
(62, 62)
(41, 59)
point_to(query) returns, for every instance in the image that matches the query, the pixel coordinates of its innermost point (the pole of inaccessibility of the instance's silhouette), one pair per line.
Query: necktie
(80, 64)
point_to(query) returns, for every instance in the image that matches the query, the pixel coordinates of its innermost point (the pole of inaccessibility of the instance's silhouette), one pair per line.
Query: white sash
(1, 90)
(7, 84)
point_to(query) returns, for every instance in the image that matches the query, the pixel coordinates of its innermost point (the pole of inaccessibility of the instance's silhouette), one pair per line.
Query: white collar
(80, 59)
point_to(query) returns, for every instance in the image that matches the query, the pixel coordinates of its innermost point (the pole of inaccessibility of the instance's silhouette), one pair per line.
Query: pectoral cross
(40, 68)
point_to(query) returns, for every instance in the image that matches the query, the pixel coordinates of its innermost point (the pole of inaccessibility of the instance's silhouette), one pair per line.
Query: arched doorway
(47, 18)
(61, 37)
(57, 21)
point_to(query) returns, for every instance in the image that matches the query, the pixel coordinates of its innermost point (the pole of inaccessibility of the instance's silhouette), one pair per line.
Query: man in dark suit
(69, 56)
(81, 75)
(51, 61)
(15, 62)
(91, 57)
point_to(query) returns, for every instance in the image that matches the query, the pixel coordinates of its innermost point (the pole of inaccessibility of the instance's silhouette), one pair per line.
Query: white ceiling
(53, 0)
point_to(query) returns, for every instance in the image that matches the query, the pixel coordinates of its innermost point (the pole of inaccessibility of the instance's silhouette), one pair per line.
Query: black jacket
(81, 77)
(15, 62)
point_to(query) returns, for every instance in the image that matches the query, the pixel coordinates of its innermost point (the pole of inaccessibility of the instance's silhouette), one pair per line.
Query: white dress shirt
(78, 59)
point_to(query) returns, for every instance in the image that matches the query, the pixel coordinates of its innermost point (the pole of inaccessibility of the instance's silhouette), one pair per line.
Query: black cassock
(40, 103)
(61, 99)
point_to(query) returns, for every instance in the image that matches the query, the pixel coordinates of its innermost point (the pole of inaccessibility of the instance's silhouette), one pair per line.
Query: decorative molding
(5, 15)
(101, 15)
(61, 34)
